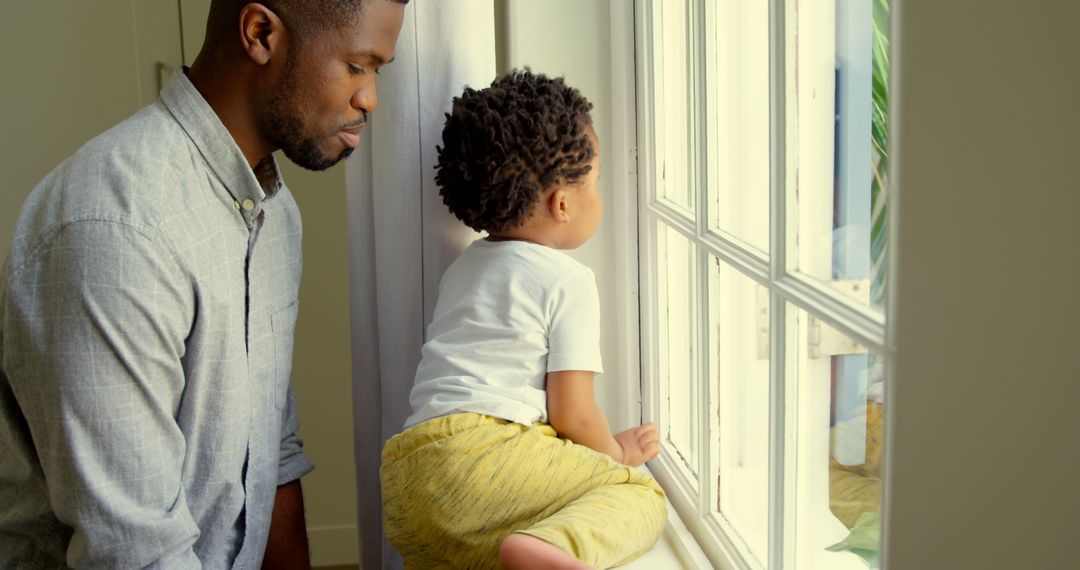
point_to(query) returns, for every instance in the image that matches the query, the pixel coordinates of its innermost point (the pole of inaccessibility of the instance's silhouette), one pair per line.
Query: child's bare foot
(524, 552)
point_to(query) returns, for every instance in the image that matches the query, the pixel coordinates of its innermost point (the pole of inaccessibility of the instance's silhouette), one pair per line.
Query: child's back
(508, 313)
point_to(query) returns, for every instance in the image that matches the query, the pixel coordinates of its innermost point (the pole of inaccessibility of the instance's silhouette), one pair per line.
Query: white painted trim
(863, 324)
(858, 321)
(646, 190)
(720, 551)
(333, 545)
(845, 315)
(623, 171)
(683, 542)
(721, 543)
(781, 512)
(702, 392)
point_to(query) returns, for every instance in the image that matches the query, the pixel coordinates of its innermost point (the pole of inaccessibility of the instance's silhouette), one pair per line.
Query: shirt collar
(247, 187)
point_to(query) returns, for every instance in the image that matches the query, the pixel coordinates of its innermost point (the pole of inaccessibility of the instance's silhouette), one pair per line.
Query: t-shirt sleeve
(574, 332)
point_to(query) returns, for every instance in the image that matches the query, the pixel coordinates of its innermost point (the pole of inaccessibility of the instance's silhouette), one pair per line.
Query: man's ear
(558, 207)
(261, 32)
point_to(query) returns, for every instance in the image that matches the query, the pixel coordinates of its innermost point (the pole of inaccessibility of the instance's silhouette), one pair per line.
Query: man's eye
(356, 69)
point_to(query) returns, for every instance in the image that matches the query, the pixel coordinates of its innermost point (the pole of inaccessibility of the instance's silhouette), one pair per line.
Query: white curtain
(401, 238)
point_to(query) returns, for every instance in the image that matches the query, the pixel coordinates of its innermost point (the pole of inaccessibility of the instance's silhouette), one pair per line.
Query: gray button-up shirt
(147, 310)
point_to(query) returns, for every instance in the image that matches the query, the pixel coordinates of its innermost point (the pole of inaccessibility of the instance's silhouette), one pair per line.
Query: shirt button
(252, 412)
(237, 204)
(248, 205)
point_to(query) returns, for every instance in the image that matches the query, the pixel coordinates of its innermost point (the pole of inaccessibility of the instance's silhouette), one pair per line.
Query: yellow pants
(454, 487)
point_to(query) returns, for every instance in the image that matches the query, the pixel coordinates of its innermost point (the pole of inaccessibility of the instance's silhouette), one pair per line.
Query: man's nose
(365, 99)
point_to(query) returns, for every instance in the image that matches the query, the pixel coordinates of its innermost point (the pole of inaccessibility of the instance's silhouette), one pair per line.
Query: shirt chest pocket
(282, 325)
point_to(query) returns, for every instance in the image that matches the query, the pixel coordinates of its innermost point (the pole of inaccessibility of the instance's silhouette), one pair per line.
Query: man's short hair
(301, 17)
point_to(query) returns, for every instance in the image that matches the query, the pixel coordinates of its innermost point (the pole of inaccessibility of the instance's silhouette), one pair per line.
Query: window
(763, 175)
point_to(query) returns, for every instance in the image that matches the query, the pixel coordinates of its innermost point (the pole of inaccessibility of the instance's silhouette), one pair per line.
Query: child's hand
(639, 444)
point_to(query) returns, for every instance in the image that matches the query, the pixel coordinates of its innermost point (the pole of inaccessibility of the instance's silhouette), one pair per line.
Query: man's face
(323, 95)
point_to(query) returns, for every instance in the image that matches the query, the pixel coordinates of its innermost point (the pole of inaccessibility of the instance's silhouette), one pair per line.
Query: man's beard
(305, 152)
(285, 129)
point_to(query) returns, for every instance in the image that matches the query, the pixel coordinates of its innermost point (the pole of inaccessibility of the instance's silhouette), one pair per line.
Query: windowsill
(676, 550)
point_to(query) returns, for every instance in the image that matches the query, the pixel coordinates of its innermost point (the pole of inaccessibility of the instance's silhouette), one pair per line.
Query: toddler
(507, 458)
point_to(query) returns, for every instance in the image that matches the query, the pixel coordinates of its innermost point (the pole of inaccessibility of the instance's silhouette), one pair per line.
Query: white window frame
(718, 540)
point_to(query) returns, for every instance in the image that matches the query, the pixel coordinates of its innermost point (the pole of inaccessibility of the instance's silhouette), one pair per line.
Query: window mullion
(779, 513)
(702, 389)
(853, 321)
(729, 251)
(698, 105)
(710, 466)
(707, 461)
(778, 521)
(734, 254)
(665, 213)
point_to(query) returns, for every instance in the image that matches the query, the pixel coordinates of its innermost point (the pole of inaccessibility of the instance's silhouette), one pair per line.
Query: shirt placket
(254, 219)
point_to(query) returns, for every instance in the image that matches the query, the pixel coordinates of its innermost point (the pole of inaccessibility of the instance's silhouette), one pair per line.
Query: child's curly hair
(504, 145)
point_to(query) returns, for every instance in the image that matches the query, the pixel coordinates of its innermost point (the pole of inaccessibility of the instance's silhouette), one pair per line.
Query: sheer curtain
(401, 238)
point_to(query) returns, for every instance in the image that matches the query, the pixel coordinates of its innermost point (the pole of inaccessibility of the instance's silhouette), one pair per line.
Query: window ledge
(676, 550)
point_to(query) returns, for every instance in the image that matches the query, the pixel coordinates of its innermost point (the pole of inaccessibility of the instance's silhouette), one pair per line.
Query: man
(148, 303)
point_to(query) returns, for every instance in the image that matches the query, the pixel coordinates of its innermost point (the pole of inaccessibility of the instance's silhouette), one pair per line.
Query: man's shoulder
(130, 174)
(141, 145)
(133, 168)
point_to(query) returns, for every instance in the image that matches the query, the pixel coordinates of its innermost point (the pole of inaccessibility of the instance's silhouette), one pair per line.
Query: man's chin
(318, 163)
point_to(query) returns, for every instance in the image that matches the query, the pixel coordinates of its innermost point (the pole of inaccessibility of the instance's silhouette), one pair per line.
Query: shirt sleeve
(292, 464)
(97, 321)
(574, 332)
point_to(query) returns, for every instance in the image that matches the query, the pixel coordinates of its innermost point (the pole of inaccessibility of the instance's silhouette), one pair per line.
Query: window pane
(737, 90)
(675, 280)
(739, 367)
(839, 420)
(673, 105)
(841, 86)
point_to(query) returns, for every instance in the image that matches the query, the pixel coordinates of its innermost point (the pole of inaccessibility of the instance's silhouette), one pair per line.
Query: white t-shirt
(508, 313)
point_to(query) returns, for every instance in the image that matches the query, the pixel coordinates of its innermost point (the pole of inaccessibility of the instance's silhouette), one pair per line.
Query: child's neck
(507, 238)
(524, 234)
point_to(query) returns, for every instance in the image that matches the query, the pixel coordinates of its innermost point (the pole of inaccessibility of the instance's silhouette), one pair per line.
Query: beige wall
(72, 70)
(984, 447)
(322, 366)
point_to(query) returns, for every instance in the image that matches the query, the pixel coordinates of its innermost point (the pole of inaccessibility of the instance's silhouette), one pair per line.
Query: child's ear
(558, 207)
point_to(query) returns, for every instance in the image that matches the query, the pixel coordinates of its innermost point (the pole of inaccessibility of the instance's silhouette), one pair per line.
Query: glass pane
(842, 90)
(739, 367)
(737, 91)
(675, 280)
(839, 421)
(672, 92)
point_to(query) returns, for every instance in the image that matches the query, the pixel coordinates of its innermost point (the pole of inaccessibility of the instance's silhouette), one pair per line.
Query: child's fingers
(649, 439)
(651, 450)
